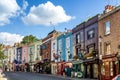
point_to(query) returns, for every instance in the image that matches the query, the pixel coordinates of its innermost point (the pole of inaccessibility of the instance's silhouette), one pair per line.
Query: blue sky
(39, 17)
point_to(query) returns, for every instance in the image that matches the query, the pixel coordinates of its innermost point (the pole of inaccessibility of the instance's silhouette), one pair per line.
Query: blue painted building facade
(61, 47)
(68, 47)
(64, 47)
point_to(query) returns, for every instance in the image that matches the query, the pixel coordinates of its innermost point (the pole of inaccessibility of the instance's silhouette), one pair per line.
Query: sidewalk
(60, 76)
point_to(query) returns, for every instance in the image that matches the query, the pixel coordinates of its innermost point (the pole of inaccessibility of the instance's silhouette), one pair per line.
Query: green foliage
(29, 39)
(2, 56)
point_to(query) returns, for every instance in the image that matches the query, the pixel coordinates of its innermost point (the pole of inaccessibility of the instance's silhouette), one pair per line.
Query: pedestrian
(40, 69)
(64, 72)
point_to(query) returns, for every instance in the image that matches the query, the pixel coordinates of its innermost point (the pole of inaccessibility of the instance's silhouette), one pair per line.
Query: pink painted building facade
(24, 54)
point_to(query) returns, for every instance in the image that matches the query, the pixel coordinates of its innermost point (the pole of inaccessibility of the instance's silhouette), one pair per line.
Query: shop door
(88, 71)
(107, 70)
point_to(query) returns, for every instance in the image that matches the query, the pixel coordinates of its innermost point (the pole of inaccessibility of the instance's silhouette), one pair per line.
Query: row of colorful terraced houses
(89, 50)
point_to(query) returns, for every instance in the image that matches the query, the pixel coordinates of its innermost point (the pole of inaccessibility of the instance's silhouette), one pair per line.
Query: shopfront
(91, 68)
(53, 67)
(60, 67)
(109, 67)
(77, 67)
(68, 67)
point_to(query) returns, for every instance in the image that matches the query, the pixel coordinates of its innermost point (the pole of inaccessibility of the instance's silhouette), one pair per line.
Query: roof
(102, 16)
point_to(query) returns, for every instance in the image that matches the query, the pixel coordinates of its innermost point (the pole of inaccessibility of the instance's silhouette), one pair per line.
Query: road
(32, 76)
(36, 76)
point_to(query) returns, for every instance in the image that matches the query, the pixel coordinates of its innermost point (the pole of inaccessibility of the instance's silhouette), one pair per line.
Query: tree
(29, 39)
(2, 56)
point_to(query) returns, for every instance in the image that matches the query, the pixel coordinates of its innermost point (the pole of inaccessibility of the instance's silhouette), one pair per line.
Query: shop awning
(77, 62)
(88, 55)
(92, 59)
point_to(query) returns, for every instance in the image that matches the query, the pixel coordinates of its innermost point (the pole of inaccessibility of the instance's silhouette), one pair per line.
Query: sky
(19, 18)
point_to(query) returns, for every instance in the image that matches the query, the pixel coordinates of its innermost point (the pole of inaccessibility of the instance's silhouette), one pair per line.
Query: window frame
(106, 26)
(77, 38)
(93, 34)
(106, 50)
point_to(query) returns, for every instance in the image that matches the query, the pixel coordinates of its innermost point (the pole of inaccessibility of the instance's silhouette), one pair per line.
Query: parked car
(116, 77)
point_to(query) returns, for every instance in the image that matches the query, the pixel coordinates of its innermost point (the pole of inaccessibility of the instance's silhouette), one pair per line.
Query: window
(53, 46)
(77, 51)
(91, 48)
(78, 38)
(107, 48)
(95, 70)
(43, 46)
(111, 68)
(67, 42)
(82, 67)
(81, 37)
(103, 69)
(107, 28)
(60, 44)
(24, 50)
(90, 34)
(38, 47)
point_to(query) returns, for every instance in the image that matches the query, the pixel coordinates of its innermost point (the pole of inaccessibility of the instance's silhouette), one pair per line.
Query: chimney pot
(108, 8)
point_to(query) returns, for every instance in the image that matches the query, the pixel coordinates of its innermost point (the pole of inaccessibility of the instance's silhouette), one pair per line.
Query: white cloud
(8, 9)
(46, 13)
(25, 5)
(8, 38)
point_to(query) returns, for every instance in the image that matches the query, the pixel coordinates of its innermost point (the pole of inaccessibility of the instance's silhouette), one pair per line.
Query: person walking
(64, 73)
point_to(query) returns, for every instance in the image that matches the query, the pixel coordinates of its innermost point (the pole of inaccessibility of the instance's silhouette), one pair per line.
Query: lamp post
(100, 55)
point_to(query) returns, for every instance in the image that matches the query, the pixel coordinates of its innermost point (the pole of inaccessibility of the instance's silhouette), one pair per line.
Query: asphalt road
(32, 76)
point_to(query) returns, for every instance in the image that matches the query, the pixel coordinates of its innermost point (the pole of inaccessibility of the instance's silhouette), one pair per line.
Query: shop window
(103, 69)
(90, 34)
(107, 69)
(88, 70)
(82, 67)
(107, 28)
(95, 69)
(107, 48)
(111, 68)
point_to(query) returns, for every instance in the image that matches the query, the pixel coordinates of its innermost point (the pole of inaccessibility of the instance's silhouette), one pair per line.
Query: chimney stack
(108, 8)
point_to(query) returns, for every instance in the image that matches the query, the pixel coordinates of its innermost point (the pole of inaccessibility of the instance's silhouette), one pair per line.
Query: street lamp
(100, 55)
